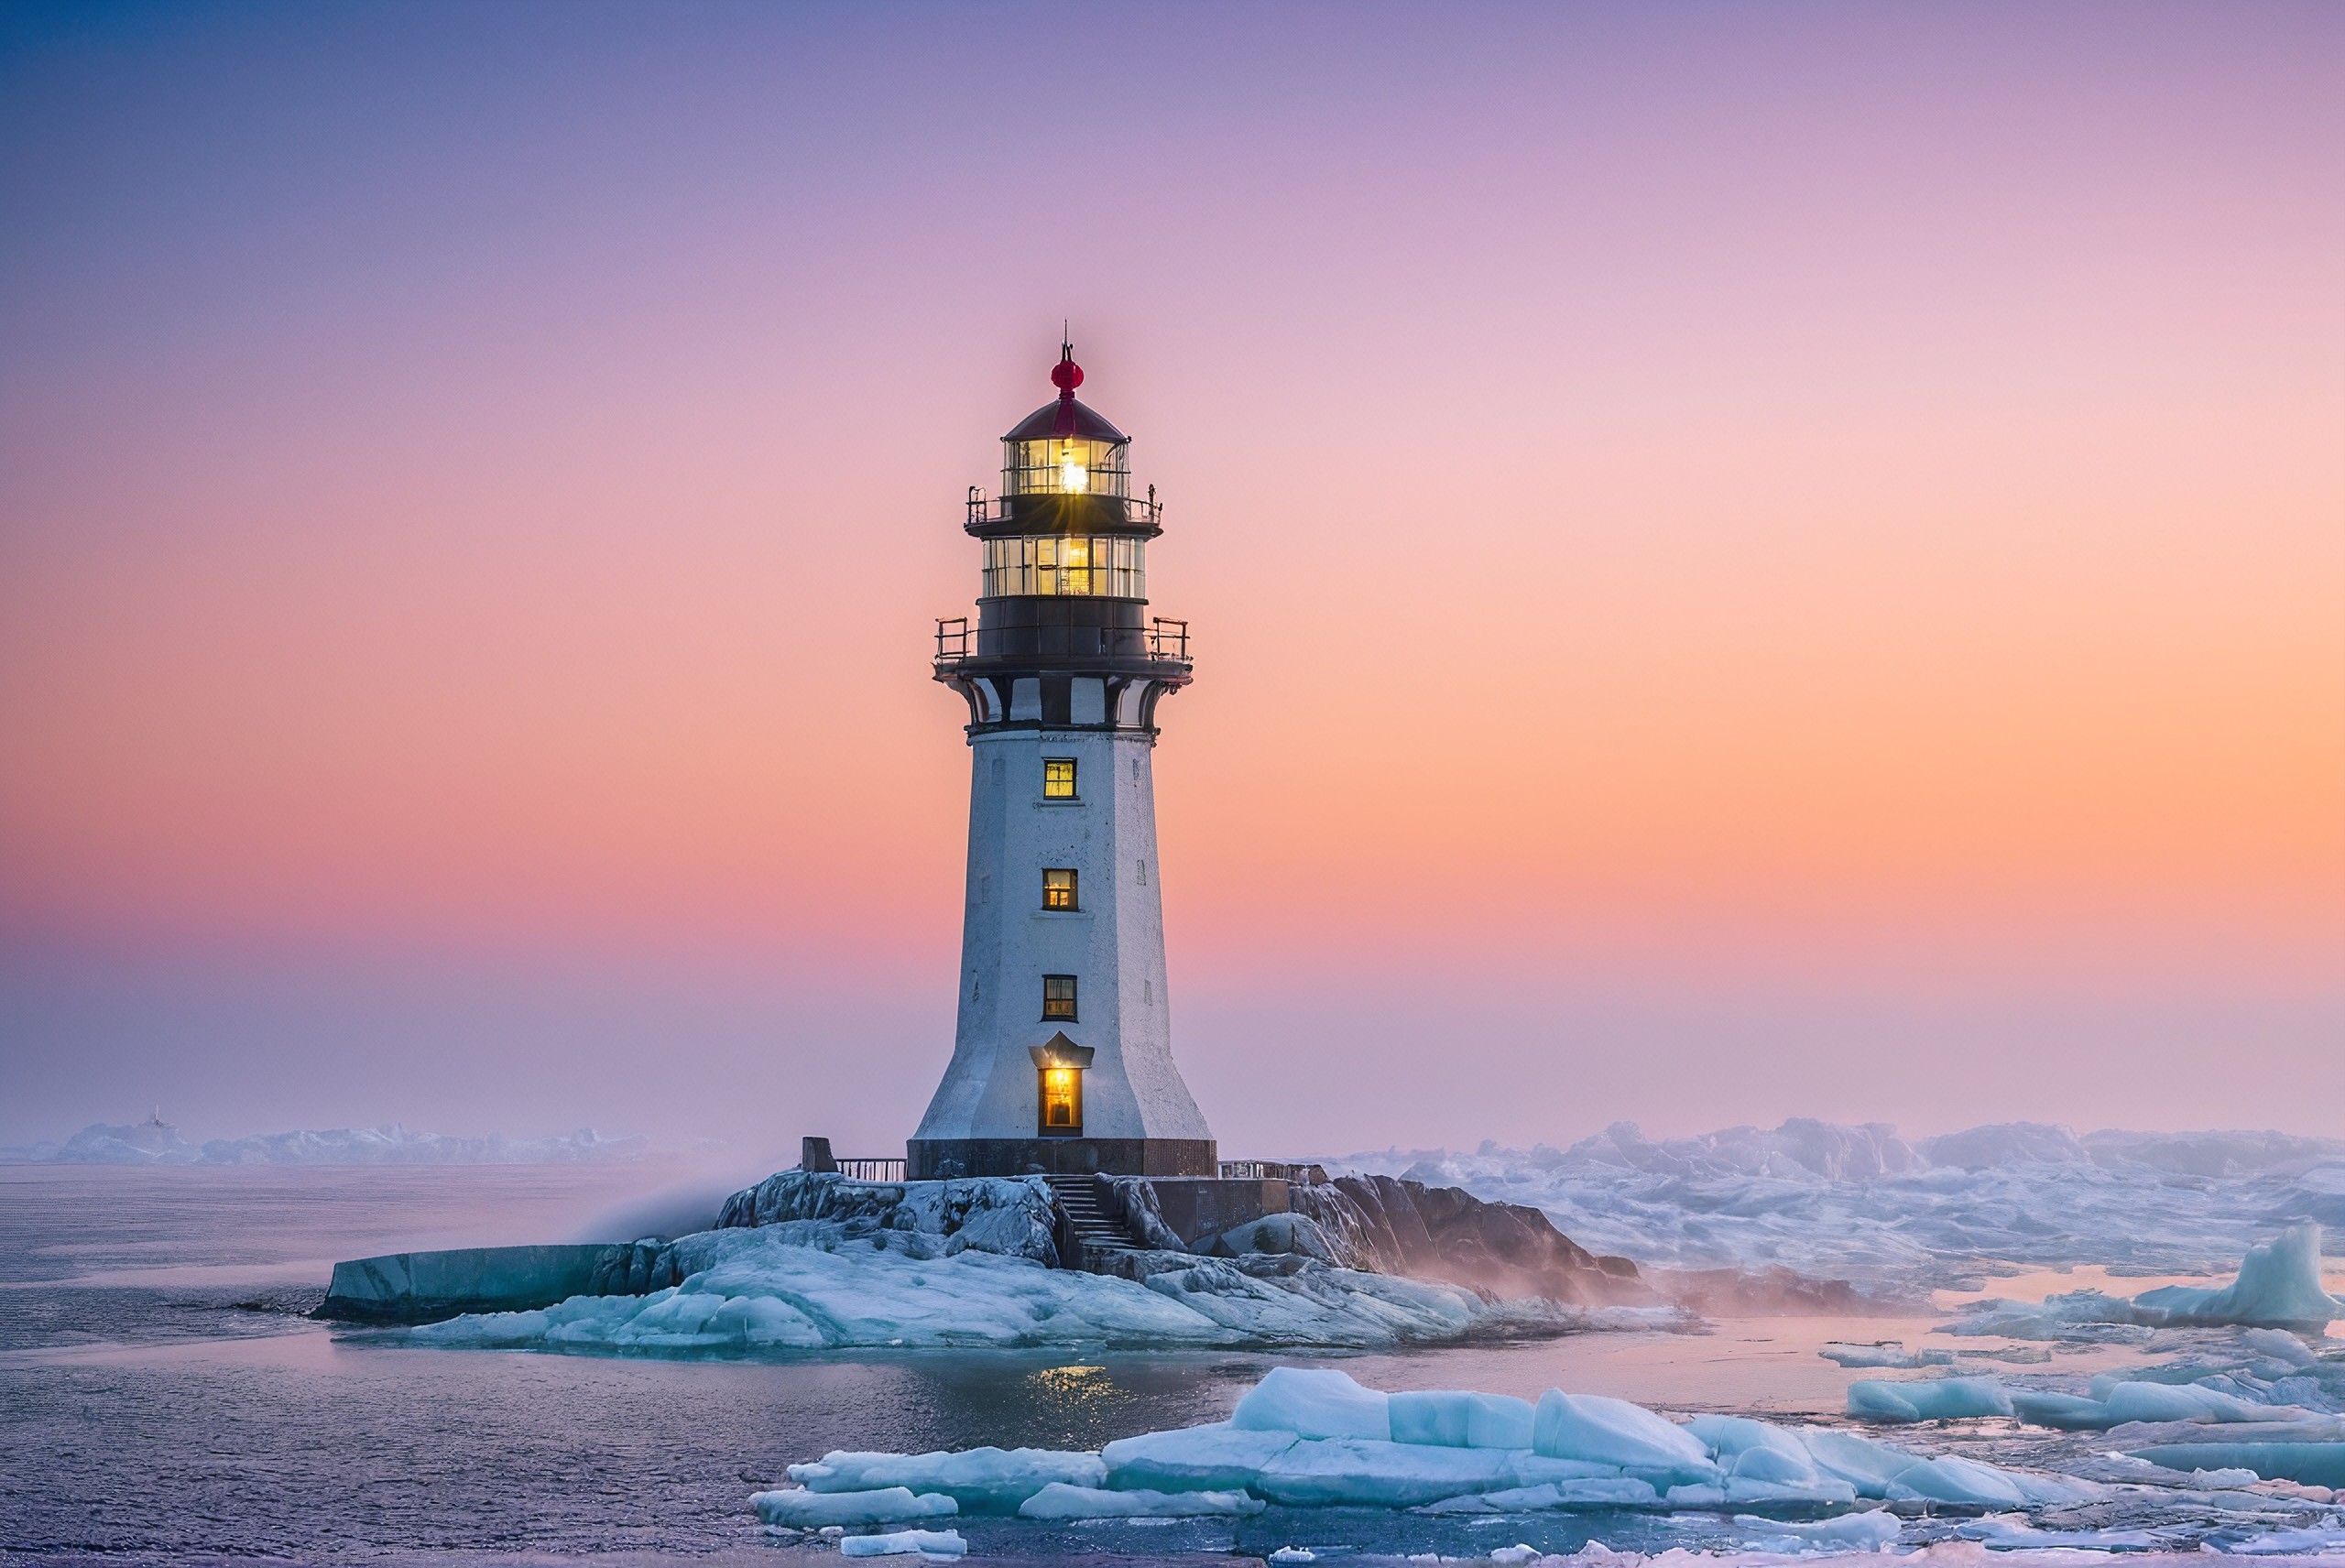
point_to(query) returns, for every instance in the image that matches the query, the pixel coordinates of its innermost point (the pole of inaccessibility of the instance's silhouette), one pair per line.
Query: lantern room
(1065, 448)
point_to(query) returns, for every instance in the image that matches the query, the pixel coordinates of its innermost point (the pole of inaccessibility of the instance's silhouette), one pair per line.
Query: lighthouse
(1063, 1054)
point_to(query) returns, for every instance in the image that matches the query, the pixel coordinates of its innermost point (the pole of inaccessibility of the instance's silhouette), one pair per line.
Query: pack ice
(1862, 1203)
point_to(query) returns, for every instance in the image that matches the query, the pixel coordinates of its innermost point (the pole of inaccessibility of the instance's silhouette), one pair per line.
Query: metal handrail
(951, 639)
(984, 511)
(1272, 1171)
(1168, 640)
(885, 1169)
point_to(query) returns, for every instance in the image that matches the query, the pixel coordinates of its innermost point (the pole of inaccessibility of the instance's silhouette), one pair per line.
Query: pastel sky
(1745, 561)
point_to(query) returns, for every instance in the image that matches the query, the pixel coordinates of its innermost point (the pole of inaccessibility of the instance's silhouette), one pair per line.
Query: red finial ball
(1066, 375)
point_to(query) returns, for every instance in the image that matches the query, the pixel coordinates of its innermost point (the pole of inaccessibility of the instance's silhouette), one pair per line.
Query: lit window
(1061, 1099)
(1058, 997)
(1058, 779)
(1058, 891)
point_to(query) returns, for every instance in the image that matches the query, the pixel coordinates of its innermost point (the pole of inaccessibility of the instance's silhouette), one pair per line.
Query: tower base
(931, 1159)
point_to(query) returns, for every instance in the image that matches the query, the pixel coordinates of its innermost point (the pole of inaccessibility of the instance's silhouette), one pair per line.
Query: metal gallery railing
(985, 511)
(1167, 641)
(1273, 1171)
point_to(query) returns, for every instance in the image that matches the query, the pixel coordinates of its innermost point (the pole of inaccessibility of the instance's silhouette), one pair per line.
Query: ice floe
(1449, 1462)
(1584, 1451)
(906, 1542)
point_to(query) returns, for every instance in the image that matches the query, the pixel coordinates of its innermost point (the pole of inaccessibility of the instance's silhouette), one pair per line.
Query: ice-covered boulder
(1313, 1401)
(2278, 1286)
(1298, 1234)
(1009, 1215)
(1432, 1232)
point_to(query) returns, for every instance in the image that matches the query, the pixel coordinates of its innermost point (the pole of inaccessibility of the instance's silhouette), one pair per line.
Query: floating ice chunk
(1285, 1555)
(1059, 1502)
(1941, 1399)
(2313, 1542)
(1869, 1467)
(1744, 1446)
(900, 1543)
(1313, 1401)
(2140, 1401)
(1868, 1531)
(1515, 1553)
(1614, 1431)
(2314, 1464)
(1192, 1459)
(981, 1480)
(1538, 1470)
(1951, 1479)
(2278, 1285)
(1364, 1473)
(1750, 1491)
(1887, 1354)
(1586, 1492)
(813, 1510)
(1453, 1418)
(2010, 1532)
(2069, 1412)
(2279, 1345)
(1773, 1467)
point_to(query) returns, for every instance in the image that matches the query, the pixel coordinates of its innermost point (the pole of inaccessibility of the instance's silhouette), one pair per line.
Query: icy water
(162, 1398)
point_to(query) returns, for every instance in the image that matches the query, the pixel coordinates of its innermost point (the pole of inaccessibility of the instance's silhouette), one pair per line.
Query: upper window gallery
(1056, 564)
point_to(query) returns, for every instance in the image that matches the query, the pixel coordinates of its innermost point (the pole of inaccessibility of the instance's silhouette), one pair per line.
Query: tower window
(1058, 891)
(1058, 779)
(1062, 1100)
(1058, 997)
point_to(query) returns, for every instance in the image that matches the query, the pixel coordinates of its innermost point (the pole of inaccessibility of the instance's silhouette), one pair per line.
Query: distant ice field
(1862, 1203)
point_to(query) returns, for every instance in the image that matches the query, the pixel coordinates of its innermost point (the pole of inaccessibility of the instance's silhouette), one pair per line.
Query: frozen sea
(163, 1399)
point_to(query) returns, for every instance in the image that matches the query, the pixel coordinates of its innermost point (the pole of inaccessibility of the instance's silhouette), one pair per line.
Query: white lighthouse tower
(1063, 1059)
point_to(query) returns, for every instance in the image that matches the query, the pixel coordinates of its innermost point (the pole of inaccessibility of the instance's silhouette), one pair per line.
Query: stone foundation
(933, 1160)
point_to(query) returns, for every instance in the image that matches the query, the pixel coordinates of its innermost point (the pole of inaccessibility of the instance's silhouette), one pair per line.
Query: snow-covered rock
(814, 1284)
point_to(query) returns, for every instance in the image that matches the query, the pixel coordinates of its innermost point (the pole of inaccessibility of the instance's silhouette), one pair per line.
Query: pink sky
(1744, 562)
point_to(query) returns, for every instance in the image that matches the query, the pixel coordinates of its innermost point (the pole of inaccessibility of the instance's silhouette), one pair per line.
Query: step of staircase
(1098, 1235)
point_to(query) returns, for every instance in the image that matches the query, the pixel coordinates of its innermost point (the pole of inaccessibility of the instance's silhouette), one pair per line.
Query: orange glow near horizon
(1791, 532)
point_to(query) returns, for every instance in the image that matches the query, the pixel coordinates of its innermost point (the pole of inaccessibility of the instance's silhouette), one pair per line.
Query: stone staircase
(1099, 1239)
